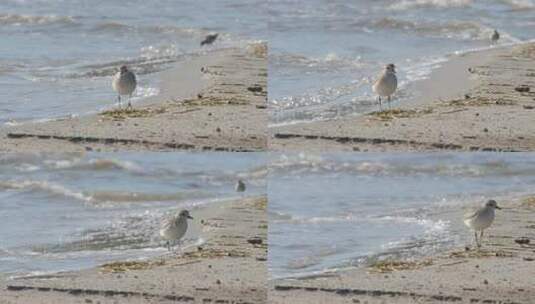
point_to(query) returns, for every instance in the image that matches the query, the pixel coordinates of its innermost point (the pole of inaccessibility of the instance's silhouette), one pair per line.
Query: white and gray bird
(495, 36)
(175, 227)
(481, 219)
(387, 83)
(124, 83)
(240, 186)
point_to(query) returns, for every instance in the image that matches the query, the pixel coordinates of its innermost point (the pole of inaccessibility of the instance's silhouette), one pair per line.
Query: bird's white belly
(386, 86)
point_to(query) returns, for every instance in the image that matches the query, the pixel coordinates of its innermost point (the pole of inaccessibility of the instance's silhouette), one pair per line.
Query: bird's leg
(168, 246)
(119, 100)
(179, 244)
(129, 104)
(481, 236)
(475, 235)
(389, 106)
(380, 104)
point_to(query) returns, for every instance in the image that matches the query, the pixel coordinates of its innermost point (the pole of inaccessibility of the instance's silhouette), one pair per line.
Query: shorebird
(174, 228)
(387, 83)
(495, 36)
(240, 186)
(209, 39)
(481, 219)
(124, 83)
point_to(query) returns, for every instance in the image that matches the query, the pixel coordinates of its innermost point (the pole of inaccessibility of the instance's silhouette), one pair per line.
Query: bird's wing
(168, 223)
(470, 214)
(131, 76)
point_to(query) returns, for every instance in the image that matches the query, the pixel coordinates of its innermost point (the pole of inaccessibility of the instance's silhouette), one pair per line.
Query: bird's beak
(498, 208)
(190, 217)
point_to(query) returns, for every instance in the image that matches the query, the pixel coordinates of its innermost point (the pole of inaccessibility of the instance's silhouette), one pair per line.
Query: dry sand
(475, 102)
(229, 268)
(221, 108)
(501, 272)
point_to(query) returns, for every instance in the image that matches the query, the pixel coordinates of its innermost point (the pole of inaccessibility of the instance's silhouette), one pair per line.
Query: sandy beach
(210, 102)
(230, 267)
(478, 101)
(501, 272)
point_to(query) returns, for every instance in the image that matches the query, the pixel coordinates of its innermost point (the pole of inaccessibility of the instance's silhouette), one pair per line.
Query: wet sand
(501, 272)
(481, 101)
(229, 268)
(213, 102)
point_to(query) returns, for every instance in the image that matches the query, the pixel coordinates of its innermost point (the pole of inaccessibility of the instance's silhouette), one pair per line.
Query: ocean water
(68, 212)
(325, 54)
(57, 57)
(334, 211)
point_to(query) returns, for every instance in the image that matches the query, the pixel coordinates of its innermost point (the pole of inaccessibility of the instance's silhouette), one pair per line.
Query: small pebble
(485, 130)
(485, 282)
(218, 129)
(218, 282)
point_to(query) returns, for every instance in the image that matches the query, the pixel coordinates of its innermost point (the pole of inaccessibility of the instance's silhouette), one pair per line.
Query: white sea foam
(410, 4)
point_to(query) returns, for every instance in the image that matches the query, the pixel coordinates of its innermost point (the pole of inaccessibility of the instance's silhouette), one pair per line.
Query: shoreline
(476, 101)
(211, 102)
(229, 267)
(501, 272)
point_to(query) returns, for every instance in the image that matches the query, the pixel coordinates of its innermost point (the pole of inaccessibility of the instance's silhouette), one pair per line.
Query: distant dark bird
(209, 39)
(495, 36)
(240, 186)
